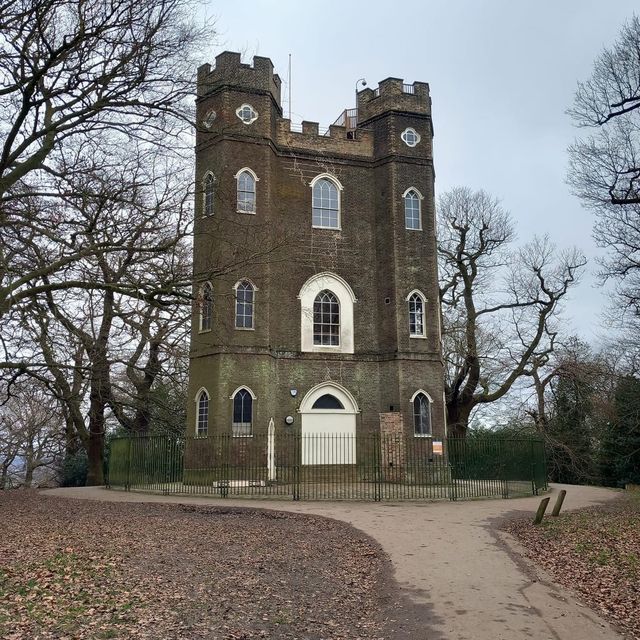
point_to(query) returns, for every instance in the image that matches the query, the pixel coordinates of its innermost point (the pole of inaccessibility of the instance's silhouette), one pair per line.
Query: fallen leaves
(78, 569)
(596, 553)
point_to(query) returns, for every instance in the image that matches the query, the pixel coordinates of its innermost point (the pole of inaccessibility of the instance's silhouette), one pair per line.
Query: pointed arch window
(246, 190)
(242, 424)
(421, 414)
(325, 203)
(245, 303)
(206, 307)
(326, 319)
(208, 192)
(202, 422)
(412, 210)
(417, 328)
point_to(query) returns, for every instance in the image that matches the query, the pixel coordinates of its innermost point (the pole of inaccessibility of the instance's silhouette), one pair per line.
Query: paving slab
(459, 576)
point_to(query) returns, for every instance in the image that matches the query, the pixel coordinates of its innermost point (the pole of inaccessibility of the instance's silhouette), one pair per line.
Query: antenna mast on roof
(289, 83)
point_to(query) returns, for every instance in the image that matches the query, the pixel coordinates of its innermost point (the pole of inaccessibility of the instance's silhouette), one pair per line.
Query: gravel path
(458, 575)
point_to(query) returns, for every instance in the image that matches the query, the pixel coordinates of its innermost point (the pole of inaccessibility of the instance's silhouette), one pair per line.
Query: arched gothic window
(246, 191)
(245, 302)
(412, 213)
(208, 194)
(242, 413)
(206, 307)
(326, 204)
(421, 415)
(416, 316)
(202, 423)
(326, 314)
(326, 319)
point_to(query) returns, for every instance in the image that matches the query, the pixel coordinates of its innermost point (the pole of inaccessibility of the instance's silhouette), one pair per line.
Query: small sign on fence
(437, 447)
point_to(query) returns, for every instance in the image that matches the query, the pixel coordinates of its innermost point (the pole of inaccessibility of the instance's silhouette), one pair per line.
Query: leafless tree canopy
(498, 304)
(89, 93)
(605, 166)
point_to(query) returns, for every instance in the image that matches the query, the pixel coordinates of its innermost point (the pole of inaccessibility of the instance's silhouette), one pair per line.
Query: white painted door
(328, 426)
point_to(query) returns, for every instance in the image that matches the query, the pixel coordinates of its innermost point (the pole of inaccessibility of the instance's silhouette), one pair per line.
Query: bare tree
(78, 81)
(605, 168)
(31, 436)
(498, 304)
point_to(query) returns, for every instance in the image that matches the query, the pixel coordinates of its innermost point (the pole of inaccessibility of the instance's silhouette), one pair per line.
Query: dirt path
(459, 576)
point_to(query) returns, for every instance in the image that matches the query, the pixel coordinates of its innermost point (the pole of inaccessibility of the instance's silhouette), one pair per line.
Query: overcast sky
(501, 73)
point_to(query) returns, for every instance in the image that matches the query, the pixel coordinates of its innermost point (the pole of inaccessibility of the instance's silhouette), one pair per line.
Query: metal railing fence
(329, 467)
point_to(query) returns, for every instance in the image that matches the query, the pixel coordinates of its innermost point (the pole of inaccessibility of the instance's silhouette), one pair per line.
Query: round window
(247, 113)
(410, 137)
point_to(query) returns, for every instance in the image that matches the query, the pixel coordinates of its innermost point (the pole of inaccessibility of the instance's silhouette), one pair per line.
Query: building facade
(314, 262)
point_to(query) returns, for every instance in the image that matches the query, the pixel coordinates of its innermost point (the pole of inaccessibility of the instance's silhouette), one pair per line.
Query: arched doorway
(328, 414)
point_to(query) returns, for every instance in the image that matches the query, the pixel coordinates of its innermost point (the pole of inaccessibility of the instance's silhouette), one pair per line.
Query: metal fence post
(377, 464)
(127, 485)
(297, 456)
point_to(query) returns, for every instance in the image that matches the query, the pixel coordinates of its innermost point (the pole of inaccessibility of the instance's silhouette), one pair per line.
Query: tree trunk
(95, 459)
(458, 419)
(28, 465)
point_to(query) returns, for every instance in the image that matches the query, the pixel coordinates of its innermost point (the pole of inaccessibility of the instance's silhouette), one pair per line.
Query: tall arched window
(246, 191)
(326, 314)
(326, 319)
(208, 189)
(242, 413)
(421, 415)
(326, 204)
(412, 213)
(245, 301)
(202, 422)
(417, 327)
(206, 307)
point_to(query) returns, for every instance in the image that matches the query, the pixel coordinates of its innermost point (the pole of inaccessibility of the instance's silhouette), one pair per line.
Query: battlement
(393, 94)
(333, 139)
(229, 70)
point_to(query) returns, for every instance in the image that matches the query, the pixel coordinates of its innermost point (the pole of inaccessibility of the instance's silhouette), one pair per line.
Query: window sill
(422, 435)
(244, 328)
(412, 229)
(204, 331)
(251, 213)
(411, 335)
(233, 435)
(314, 226)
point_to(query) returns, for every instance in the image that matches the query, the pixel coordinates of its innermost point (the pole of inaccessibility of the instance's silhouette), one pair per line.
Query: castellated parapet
(229, 70)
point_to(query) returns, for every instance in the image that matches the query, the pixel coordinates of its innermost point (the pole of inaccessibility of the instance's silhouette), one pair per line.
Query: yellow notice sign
(437, 447)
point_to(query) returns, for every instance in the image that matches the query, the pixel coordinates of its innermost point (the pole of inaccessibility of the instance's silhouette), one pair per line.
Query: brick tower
(315, 262)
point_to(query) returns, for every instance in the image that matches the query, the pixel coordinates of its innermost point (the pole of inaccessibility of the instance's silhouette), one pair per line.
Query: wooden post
(541, 509)
(556, 509)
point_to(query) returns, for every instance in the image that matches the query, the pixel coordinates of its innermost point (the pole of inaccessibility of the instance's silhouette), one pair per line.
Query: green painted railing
(366, 467)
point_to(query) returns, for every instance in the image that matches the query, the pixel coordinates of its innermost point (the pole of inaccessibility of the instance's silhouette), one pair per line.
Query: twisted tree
(498, 304)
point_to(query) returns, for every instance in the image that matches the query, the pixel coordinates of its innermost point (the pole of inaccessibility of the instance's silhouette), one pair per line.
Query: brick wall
(380, 259)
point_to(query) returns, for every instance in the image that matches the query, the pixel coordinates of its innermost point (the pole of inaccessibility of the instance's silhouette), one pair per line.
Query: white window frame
(235, 305)
(413, 417)
(403, 135)
(346, 299)
(252, 173)
(337, 302)
(419, 293)
(232, 397)
(203, 287)
(198, 395)
(209, 118)
(340, 188)
(404, 201)
(205, 184)
(252, 118)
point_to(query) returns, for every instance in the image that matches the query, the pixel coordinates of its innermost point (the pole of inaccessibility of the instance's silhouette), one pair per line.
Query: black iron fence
(331, 467)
